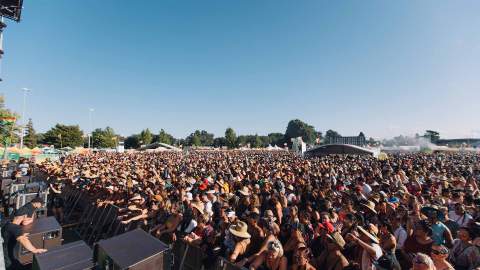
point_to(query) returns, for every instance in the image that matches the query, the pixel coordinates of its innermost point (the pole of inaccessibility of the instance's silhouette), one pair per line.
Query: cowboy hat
(337, 238)
(240, 229)
(370, 206)
(244, 191)
(136, 197)
(198, 207)
(365, 232)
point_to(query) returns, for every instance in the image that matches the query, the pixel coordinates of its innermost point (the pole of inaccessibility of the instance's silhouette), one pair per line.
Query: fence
(101, 222)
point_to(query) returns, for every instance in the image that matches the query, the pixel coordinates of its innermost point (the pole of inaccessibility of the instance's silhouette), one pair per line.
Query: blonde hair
(275, 245)
(424, 259)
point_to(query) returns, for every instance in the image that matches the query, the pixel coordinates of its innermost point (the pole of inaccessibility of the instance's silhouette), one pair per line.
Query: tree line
(72, 136)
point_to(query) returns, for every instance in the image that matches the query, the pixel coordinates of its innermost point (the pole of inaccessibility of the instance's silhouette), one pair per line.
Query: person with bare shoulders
(332, 257)
(272, 259)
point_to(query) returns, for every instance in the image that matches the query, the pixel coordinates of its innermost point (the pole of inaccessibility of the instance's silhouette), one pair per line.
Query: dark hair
(425, 226)
(37, 200)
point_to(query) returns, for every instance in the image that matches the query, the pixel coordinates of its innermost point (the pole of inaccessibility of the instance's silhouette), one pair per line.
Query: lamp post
(25, 92)
(90, 117)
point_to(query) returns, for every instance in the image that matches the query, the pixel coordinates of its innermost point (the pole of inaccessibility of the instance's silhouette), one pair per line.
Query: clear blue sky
(381, 67)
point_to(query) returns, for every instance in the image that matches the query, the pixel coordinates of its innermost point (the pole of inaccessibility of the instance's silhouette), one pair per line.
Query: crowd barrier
(102, 222)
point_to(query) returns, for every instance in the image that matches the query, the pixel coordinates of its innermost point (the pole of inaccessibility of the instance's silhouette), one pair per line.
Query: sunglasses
(439, 252)
(419, 261)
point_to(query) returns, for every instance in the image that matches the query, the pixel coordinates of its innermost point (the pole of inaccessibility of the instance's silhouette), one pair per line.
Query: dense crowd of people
(278, 211)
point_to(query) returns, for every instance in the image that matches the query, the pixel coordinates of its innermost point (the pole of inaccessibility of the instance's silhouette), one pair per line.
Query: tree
(146, 137)
(276, 139)
(64, 135)
(200, 138)
(219, 142)
(40, 138)
(242, 140)
(230, 138)
(297, 128)
(256, 142)
(8, 127)
(132, 142)
(164, 137)
(432, 135)
(330, 135)
(104, 138)
(30, 139)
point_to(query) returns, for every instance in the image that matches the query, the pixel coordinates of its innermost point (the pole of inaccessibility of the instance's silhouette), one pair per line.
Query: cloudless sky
(382, 67)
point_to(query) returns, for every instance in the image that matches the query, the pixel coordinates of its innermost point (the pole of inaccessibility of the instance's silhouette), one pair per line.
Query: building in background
(359, 140)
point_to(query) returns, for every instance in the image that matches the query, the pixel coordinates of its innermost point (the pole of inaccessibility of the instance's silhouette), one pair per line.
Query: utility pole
(25, 92)
(90, 117)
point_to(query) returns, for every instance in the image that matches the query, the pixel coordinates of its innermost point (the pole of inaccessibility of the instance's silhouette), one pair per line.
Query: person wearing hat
(332, 258)
(369, 243)
(441, 235)
(241, 237)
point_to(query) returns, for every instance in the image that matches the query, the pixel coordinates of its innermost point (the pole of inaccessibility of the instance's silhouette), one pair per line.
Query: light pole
(90, 117)
(25, 92)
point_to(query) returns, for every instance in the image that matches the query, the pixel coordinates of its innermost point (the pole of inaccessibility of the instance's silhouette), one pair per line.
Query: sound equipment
(13, 190)
(24, 198)
(11, 9)
(72, 256)
(134, 250)
(43, 233)
(5, 184)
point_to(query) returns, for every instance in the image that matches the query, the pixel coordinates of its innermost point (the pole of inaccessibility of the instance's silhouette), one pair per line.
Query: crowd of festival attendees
(278, 211)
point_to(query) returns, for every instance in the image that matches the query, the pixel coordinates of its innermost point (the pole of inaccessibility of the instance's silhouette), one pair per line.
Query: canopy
(338, 149)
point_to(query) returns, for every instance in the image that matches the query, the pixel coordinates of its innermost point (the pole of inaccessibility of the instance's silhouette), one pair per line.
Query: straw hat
(240, 229)
(198, 207)
(371, 236)
(244, 191)
(136, 197)
(337, 238)
(370, 206)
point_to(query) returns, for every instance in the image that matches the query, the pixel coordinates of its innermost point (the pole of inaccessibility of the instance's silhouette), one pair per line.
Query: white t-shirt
(191, 226)
(367, 260)
(366, 189)
(400, 236)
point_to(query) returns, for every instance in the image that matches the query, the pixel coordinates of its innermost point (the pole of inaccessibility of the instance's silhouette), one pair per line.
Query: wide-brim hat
(337, 239)
(432, 209)
(370, 206)
(136, 197)
(198, 207)
(367, 233)
(244, 191)
(240, 229)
